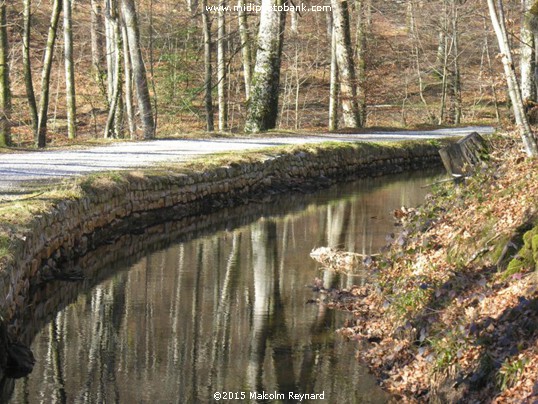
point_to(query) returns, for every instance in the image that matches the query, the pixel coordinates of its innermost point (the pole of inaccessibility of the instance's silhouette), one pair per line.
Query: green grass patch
(446, 348)
(509, 373)
(407, 303)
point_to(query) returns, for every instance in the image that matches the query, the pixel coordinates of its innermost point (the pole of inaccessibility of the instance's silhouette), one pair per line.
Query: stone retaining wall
(74, 227)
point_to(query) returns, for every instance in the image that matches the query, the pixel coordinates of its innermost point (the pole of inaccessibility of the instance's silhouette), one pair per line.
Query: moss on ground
(527, 257)
(5, 244)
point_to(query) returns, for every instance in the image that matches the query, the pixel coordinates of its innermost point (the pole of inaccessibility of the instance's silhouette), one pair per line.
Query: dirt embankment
(454, 313)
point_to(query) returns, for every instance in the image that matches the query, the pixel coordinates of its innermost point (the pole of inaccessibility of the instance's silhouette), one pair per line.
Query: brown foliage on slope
(452, 317)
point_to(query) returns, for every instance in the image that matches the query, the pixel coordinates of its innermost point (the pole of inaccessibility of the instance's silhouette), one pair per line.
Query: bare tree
(490, 71)
(418, 60)
(26, 62)
(440, 56)
(128, 74)
(294, 24)
(139, 70)
(221, 67)
(333, 85)
(96, 33)
(69, 71)
(208, 99)
(113, 126)
(444, 66)
(456, 74)
(115, 107)
(362, 29)
(263, 103)
(449, 67)
(527, 62)
(328, 20)
(192, 5)
(497, 18)
(346, 67)
(5, 88)
(246, 47)
(41, 133)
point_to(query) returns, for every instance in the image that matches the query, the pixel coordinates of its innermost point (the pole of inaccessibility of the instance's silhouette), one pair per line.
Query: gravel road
(18, 171)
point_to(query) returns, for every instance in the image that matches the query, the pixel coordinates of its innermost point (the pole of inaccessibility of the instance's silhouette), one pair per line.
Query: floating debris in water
(341, 261)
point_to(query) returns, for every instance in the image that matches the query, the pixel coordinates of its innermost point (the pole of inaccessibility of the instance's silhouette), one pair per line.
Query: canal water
(175, 315)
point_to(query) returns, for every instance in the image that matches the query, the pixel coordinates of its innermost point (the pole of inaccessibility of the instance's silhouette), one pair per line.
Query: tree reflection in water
(221, 311)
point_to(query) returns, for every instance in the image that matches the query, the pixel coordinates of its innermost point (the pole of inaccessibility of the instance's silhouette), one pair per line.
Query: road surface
(19, 170)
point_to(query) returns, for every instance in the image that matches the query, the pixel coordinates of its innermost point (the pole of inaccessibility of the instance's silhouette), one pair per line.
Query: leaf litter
(447, 318)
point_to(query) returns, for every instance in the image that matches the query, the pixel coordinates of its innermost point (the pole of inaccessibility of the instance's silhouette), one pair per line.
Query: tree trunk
(497, 19)
(221, 69)
(139, 71)
(5, 87)
(113, 122)
(491, 74)
(333, 91)
(362, 28)
(440, 56)
(329, 20)
(96, 33)
(263, 104)
(152, 66)
(111, 15)
(192, 5)
(41, 133)
(456, 77)
(69, 72)
(128, 74)
(26, 62)
(208, 99)
(294, 25)
(346, 68)
(246, 49)
(113, 127)
(409, 18)
(417, 55)
(447, 51)
(297, 86)
(368, 12)
(527, 63)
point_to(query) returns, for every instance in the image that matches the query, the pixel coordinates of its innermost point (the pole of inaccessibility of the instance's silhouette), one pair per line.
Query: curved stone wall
(71, 228)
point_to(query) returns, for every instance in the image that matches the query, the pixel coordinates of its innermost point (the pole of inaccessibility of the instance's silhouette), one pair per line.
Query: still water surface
(222, 308)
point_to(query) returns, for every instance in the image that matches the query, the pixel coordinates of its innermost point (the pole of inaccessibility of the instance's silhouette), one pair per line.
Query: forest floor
(453, 313)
